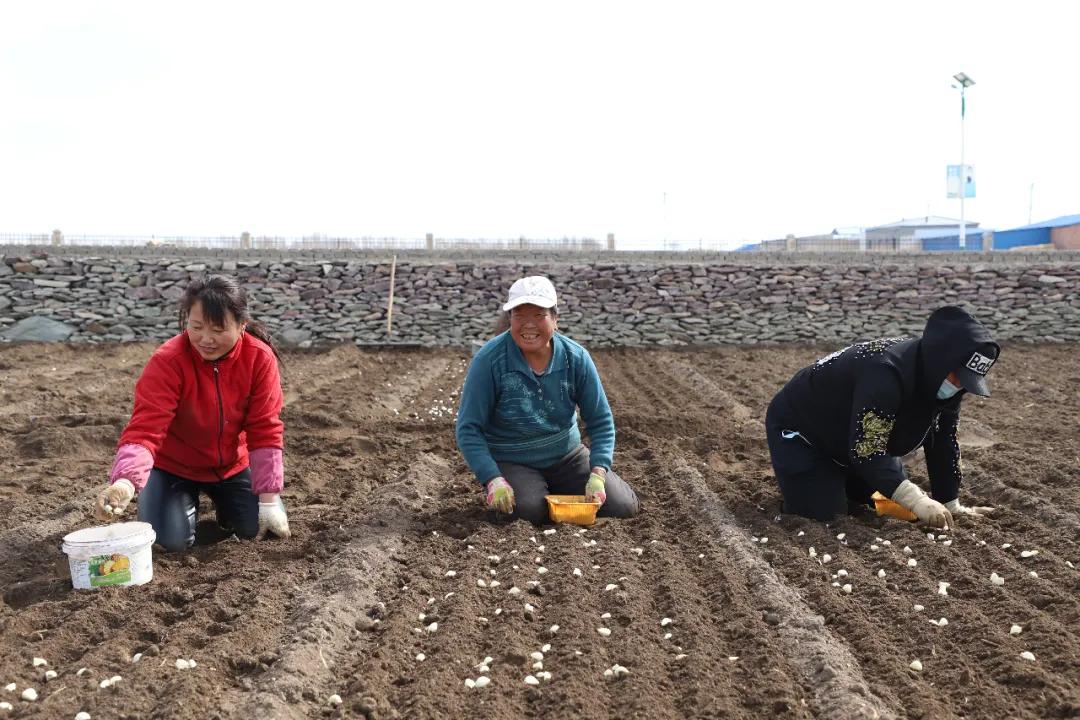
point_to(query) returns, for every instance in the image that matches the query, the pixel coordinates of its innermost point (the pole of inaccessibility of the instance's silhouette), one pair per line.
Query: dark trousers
(812, 484)
(566, 477)
(171, 505)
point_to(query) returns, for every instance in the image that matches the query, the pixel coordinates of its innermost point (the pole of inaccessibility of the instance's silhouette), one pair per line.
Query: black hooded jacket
(868, 405)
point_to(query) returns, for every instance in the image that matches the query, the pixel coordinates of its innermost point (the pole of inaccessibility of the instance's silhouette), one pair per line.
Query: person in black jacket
(838, 429)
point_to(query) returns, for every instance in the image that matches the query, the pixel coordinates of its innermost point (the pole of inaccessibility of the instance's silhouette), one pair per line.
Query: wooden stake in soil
(390, 303)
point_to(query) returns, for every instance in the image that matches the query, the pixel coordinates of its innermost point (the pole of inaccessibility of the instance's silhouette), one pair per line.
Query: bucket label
(109, 570)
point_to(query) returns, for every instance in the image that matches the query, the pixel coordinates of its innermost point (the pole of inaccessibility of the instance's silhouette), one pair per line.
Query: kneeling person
(839, 428)
(517, 423)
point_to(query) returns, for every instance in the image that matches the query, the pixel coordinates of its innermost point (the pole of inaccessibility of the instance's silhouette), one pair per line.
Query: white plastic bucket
(109, 555)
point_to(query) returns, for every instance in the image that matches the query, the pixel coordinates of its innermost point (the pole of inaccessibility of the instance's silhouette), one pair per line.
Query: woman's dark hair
(218, 294)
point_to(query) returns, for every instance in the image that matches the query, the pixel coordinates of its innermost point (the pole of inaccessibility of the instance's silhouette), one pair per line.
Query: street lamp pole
(965, 83)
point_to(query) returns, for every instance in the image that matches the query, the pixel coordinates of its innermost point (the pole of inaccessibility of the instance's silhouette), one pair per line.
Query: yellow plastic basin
(572, 509)
(885, 506)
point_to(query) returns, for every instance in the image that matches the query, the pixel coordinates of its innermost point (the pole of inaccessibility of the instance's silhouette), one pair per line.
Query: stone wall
(605, 299)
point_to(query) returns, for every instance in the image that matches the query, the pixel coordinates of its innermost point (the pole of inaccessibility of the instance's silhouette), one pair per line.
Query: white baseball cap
(532, 290)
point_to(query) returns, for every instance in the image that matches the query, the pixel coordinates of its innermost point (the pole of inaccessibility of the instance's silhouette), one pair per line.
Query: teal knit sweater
(508, 413)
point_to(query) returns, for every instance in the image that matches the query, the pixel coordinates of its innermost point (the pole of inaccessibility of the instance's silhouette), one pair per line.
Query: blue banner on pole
(955, 179)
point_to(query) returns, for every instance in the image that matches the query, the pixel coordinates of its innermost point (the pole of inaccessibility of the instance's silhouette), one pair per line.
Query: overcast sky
(502, 119)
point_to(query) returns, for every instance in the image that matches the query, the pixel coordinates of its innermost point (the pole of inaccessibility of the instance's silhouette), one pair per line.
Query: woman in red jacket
(206, 419)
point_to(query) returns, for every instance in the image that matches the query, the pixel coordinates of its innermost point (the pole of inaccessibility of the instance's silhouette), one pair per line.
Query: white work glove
(500, 496)
(956, 508)
(272, 518)
(113, 500)
(928, 510)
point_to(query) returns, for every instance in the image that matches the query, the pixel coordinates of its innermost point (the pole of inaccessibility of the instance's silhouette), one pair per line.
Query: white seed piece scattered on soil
(610, 587)
(481, 583)
(917, 608)
(421, 657)
(1028, 655)
(1006, 546)
(826, 558)
(116, 678)
(494, 559)
(1034, 574)
(701, 556)
(942, 587)
(10, 687)
(50, 674)
(550, 531)
(764, 540)
(637, 551)
(886, 543)
(940, 623)
(538, 665)
(942, 537)
(907, 550)
(6, 706)
(841, 573)
(545, 675)
(537, 656)
(667, 636)
(836, 584)
(553, 629)
(1029, 553)
(182, 664)
(538, 560)
(595, 567)
(577, 572)
(30, 694)
(334, 699)
(847, 588)
(947, 543)
(812, 551)
(530, 680)
(529, 607)
(514, 591)
(479, 619)
(800, 534)
(433, 627)
(39, 662)
(106, 683)
(916, 665)
(680, 656)
(753, 539)
(470, 683)
(881, 573)
(482, 682)
(541, 570)
(451, 573)
(83, 716)
(841, 536)
(874, 547)
(997, 579)
(604, 632)
(1015, 630)
(1069, 563)
(912, 562)
(546, 647)
(136, 657)
(605, 616)
(665, 622)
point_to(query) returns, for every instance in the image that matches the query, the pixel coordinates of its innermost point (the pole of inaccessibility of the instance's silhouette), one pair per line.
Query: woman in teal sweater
(517, 424)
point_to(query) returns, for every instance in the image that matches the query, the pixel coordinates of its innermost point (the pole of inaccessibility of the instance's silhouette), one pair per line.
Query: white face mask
(947, 390)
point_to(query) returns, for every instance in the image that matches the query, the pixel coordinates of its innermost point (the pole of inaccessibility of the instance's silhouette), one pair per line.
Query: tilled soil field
(398, 585)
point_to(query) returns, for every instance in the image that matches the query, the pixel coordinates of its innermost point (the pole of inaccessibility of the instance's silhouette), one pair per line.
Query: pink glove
(133, 463)
(267, 470)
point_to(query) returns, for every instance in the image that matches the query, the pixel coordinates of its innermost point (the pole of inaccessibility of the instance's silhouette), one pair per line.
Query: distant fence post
(988, 241)
(245, 241)
(429, 241)
(790, 243)
(57, 237)
(611, 241)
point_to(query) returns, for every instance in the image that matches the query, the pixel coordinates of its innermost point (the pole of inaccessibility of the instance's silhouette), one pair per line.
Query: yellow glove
(594, 489)
(500, 496)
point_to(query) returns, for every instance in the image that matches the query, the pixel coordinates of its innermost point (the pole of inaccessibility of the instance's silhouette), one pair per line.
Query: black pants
(813, 485)
(171, 505)
(566, 477)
